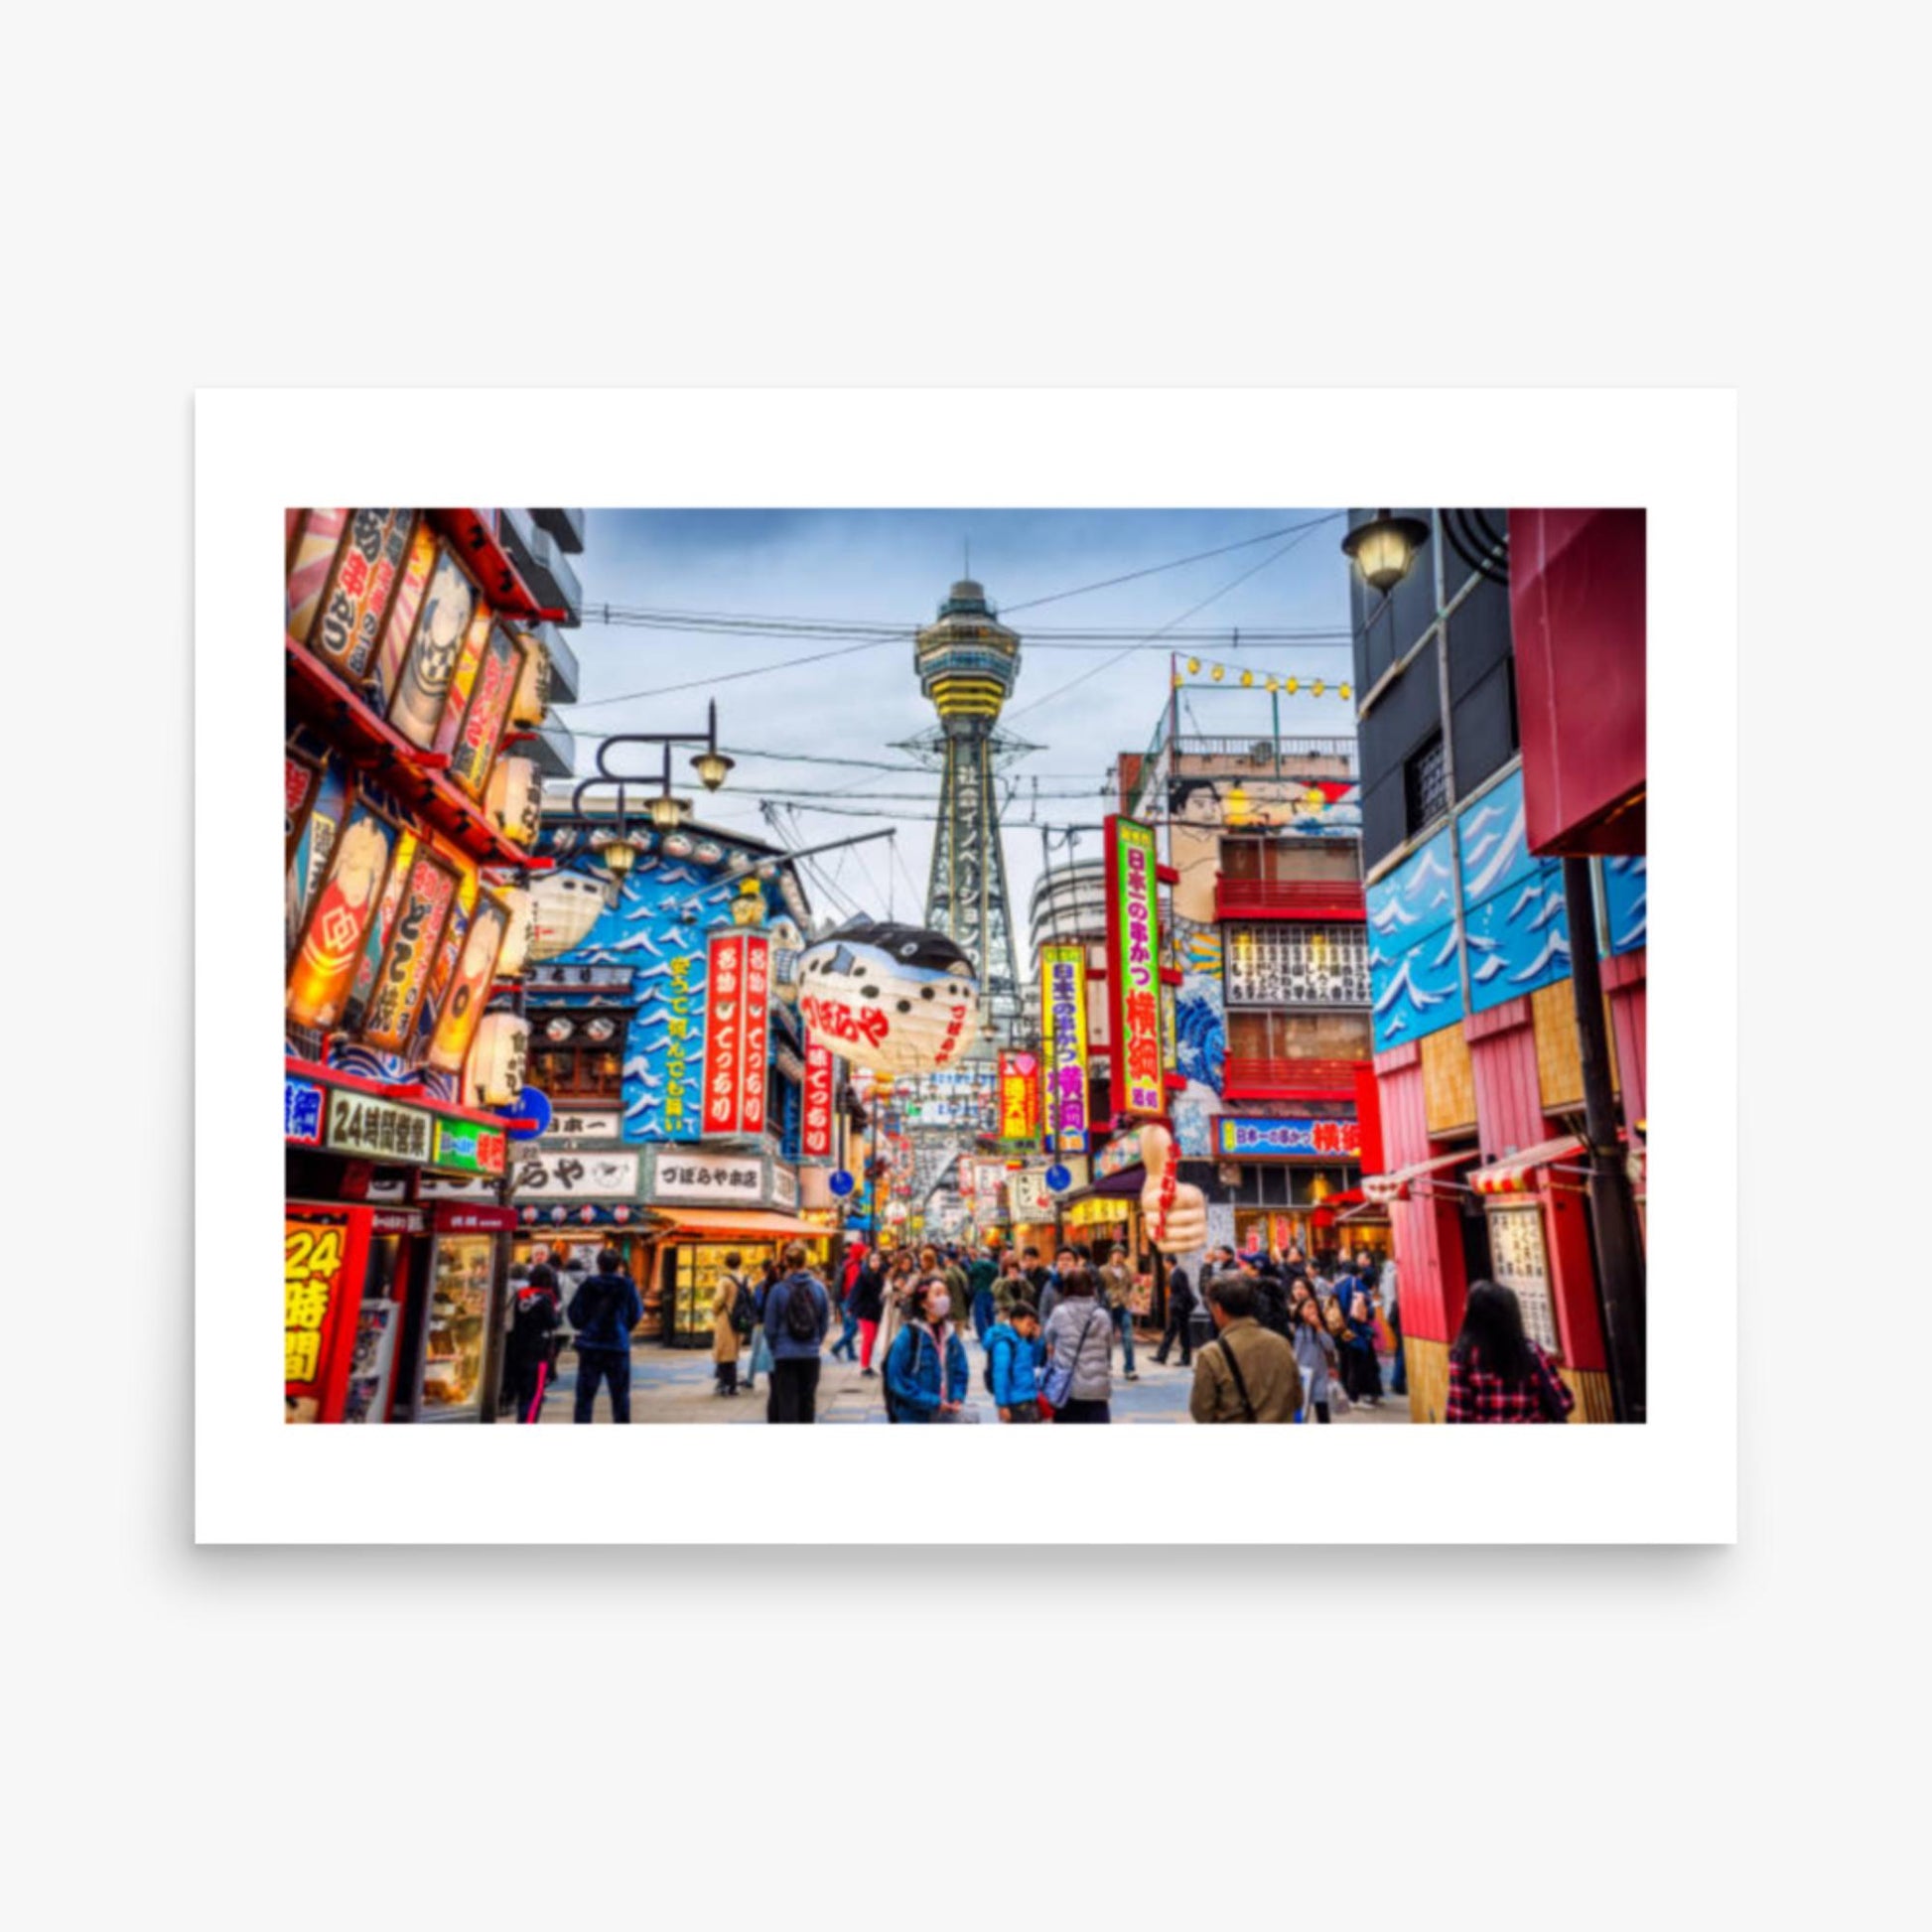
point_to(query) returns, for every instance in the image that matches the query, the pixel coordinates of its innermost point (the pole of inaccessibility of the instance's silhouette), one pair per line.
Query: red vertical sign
(755, 1040)
(815, 1133)
(724, 1032)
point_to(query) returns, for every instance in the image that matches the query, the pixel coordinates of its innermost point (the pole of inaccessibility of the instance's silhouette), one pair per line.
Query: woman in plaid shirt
(1496, 1373)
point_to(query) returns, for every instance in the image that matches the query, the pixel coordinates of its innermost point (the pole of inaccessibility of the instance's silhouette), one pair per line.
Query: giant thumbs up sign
(1176, 1210)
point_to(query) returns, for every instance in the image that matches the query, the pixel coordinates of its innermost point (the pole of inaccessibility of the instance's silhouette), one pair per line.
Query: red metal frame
(372, 743)
(1288, 899)
(1260, 1078)
(473, 535)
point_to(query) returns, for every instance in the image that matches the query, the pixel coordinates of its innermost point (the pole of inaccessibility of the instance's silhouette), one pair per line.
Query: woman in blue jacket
(916, 1390)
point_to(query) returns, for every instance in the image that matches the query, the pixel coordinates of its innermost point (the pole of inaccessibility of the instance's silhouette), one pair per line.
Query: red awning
(1512, 1174)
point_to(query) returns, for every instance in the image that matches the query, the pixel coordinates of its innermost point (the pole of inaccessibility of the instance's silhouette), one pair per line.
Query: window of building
(1258, 1036)
(1269, 859)
(1296, 964)
(1424, 784)
(576, 1073)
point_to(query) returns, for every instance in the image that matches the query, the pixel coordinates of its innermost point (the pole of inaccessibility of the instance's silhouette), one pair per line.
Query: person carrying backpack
(797, 1313)
(533, 1324)
(604, 1310)
(1013, 1364)
(926, 1368)
(729, 1303)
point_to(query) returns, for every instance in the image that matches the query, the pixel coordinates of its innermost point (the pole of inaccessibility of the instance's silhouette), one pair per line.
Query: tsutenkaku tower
(967, 661)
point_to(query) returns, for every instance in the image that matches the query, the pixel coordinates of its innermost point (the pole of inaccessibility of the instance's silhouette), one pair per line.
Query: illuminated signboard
(448, 1046)
(359, 595)
(377, 1130)
(1019, 1096)
(815, 1128)
(1133, 971)
(1063, 1007)
(468, 1147)
(404, 974)
(736, 1036)
(322, 1255)
(1278, 1137)
(489, 712)
(302, 1113)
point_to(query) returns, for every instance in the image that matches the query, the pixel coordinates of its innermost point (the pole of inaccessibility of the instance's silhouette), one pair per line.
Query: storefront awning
(1381, 1189)
(1124, 1185)
(1511, 1175)
(734, 1224)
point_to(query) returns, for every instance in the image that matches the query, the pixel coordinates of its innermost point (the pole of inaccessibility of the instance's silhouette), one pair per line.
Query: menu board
(1518, 1260)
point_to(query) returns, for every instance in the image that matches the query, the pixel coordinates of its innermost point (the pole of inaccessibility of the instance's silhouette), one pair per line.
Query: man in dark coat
(1180, 1306)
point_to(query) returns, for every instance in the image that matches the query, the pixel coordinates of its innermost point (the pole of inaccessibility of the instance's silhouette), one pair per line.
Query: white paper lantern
(522, 905)
(516, 800)
(532, 697)
(499, 1059)
(895, 999)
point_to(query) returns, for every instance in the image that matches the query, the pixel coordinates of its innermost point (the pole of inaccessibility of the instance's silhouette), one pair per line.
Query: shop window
(1424, 784)
(1300, 963)
(1518, 1260)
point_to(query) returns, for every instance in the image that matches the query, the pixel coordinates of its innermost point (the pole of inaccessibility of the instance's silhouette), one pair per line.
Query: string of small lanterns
(1249, 680)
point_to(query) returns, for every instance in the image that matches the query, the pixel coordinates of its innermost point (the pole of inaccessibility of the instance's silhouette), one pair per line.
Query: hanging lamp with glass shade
(1385, 548)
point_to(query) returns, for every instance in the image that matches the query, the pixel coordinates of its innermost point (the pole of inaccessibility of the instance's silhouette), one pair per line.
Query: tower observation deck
(967, 661)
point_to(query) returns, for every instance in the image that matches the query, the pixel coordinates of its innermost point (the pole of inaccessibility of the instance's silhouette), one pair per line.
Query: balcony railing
(1250, 1078)
(1287, 898)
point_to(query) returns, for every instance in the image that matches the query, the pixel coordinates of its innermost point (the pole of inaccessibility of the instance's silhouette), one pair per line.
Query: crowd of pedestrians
(1291, 1341)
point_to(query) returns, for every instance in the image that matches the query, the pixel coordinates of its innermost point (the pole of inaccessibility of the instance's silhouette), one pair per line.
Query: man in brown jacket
(1247, 1373)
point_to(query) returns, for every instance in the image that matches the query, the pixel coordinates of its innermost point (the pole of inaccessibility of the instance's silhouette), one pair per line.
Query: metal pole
(1620, 1273)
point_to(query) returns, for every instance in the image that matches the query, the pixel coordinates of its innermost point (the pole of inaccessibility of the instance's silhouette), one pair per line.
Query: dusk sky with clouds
(895, 566)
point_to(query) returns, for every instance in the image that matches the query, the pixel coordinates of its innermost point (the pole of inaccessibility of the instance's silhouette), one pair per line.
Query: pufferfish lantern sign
(895, 999)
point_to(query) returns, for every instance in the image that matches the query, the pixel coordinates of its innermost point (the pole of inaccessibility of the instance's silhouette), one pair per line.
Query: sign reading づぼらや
(1063, 1011)
(566, 1174)
(1134, 969)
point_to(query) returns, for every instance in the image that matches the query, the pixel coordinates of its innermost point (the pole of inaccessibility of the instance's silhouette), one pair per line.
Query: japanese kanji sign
(1019, 1096)
(377, 1130)
(564, 1174)
(1133, 971)
(737, 1028)
(321, 1287)
(1063, 1007)
(821, 1079)
(1278, 1137)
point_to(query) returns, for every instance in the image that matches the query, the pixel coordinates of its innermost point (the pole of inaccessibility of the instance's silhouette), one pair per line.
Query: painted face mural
(895, 999)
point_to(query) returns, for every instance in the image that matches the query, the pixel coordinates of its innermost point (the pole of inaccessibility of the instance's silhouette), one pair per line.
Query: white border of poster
(1673, 1479)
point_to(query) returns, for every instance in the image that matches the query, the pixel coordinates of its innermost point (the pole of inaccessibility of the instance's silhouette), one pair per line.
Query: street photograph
(965, 967)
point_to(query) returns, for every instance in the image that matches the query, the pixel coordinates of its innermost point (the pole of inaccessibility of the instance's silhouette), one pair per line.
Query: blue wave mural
(1517, 924)
(1627, 891)
(1413, 947)
(656, 926)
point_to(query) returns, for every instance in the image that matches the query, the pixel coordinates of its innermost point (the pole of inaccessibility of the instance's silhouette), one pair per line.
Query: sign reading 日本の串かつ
(1063, 1003)
(1133, 968)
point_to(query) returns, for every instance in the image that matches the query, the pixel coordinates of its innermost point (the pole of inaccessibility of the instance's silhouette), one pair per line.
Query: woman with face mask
(926, 1368)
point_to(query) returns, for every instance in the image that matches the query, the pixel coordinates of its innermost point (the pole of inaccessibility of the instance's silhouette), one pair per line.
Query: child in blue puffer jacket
(912, 1367)
(1013, 1354)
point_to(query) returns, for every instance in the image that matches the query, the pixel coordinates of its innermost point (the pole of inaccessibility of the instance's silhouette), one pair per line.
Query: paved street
(675, 1385)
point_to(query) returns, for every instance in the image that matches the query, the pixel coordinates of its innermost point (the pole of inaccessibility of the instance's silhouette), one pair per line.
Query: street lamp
(668, 813)
(1384, 548)
(619, 852)
(712, 765)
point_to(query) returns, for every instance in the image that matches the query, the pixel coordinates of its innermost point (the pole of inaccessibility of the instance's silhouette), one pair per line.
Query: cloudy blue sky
(1079, 706)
